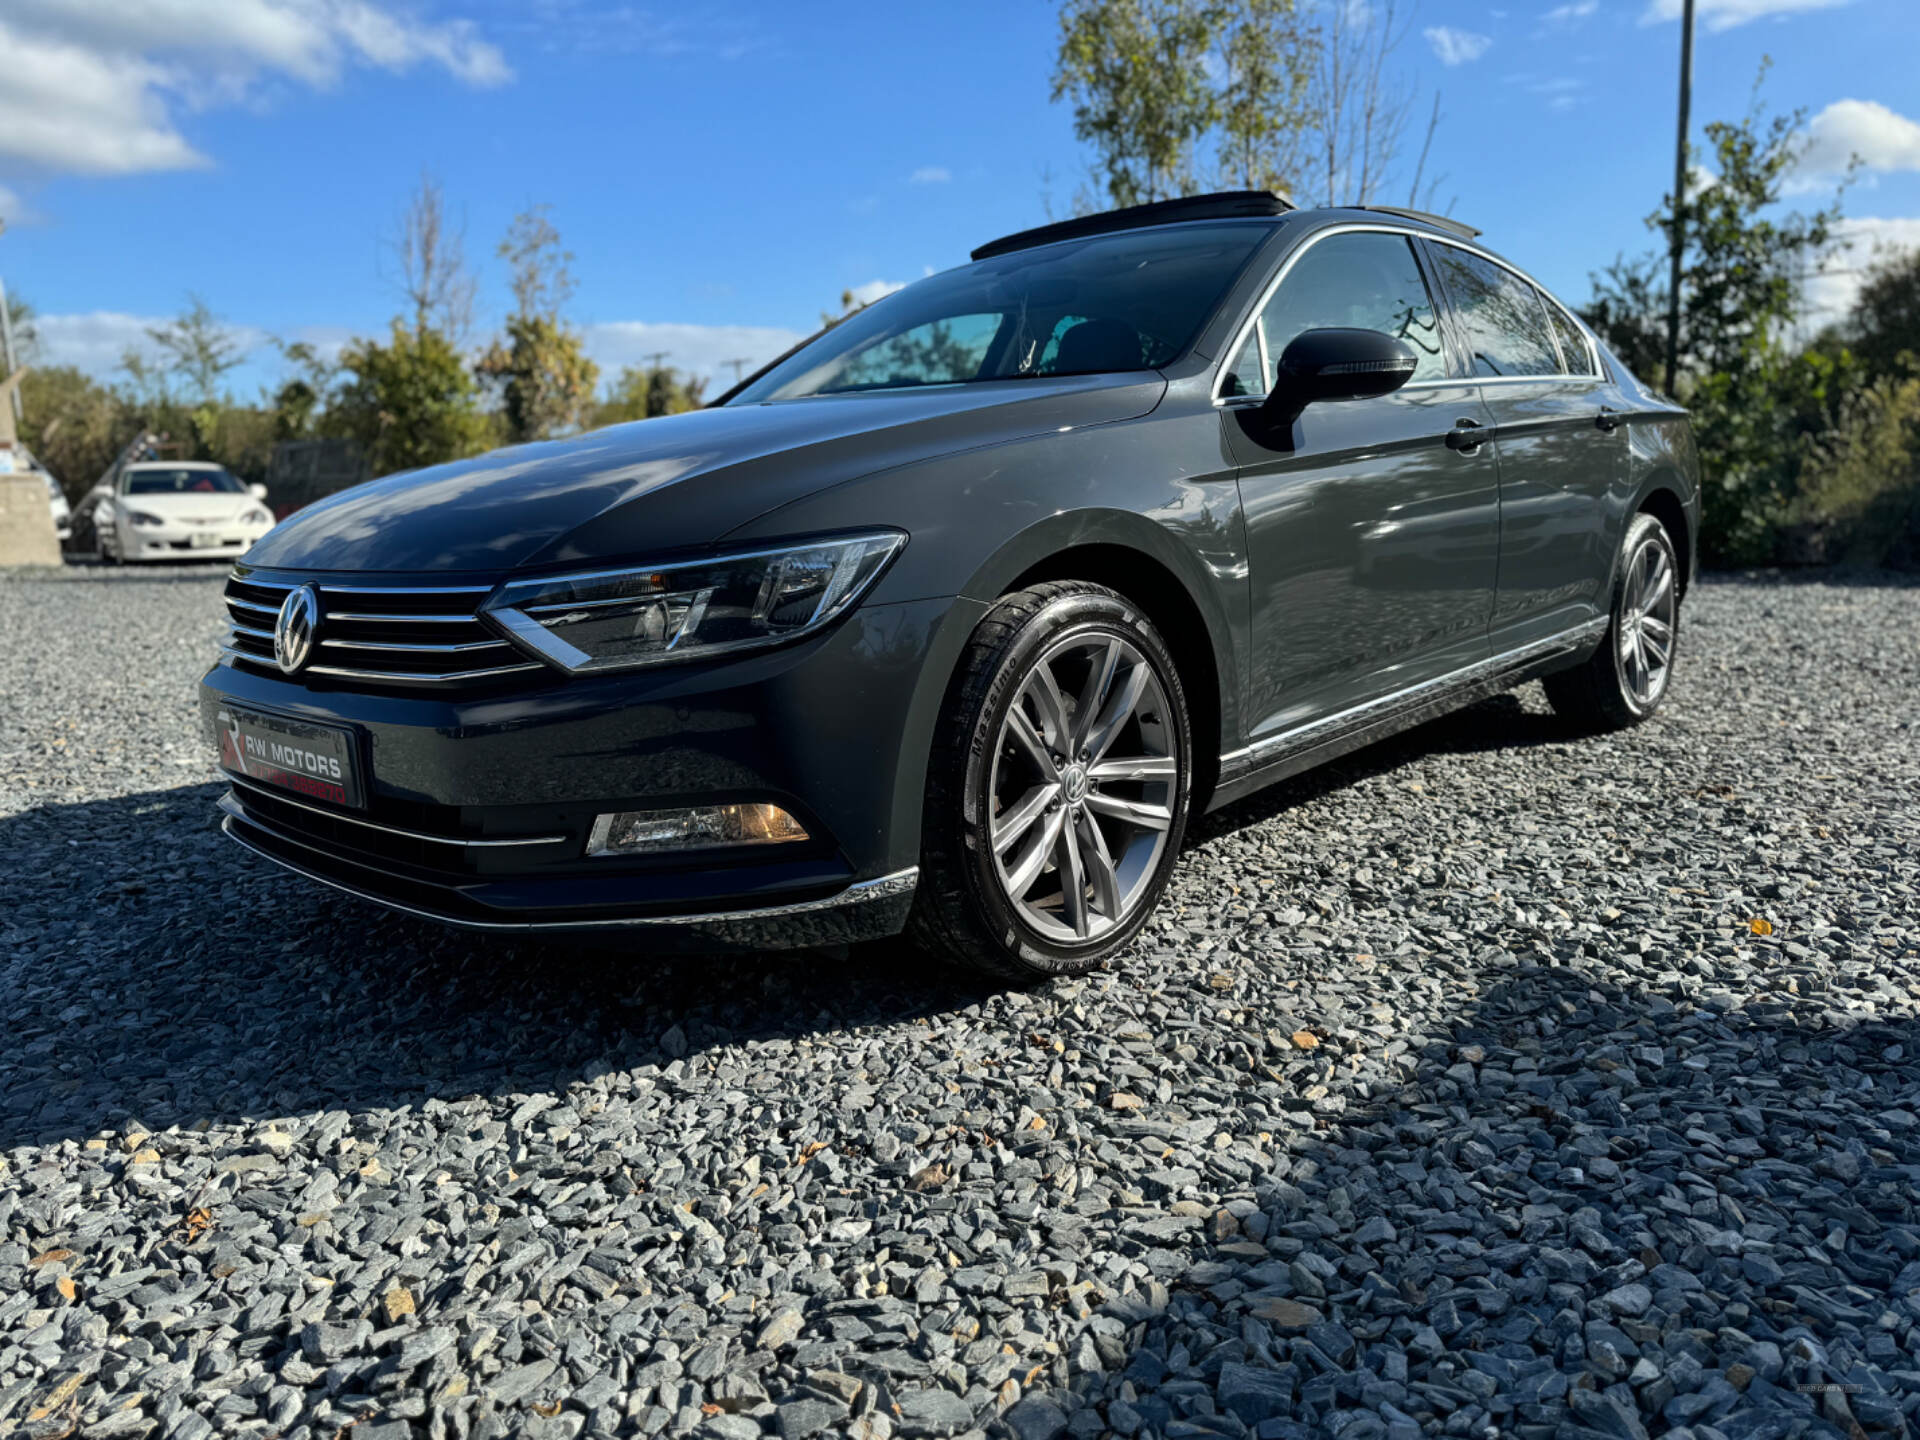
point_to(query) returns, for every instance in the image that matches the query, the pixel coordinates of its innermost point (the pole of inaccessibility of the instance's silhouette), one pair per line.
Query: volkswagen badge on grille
(295, 628)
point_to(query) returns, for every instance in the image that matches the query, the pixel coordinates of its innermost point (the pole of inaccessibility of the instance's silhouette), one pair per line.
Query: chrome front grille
(403, 636)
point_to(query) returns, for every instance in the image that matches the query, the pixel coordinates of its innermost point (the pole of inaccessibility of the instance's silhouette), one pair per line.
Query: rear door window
(1503, 318)
(1575, 357)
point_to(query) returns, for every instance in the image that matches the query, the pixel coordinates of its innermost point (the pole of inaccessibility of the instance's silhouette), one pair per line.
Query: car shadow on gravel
(157, 975)
(1501, 722)
(161, 976)
(1593, 1208)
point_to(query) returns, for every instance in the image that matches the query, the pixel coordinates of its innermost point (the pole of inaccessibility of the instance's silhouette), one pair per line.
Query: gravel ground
(1461, 1089)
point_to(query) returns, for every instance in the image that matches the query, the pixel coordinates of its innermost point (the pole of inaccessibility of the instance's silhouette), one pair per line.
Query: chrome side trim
(1303, 736)
(235, 780)
(885, 887)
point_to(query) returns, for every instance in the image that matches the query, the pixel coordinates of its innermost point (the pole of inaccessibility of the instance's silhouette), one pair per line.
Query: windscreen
(183, 481)
(1128, 301)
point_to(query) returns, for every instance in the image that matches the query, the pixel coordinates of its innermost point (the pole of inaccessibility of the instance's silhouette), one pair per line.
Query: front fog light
(704, 827)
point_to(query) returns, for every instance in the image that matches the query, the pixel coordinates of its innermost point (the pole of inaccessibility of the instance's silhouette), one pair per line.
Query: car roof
(175, 465)
(1219, 205)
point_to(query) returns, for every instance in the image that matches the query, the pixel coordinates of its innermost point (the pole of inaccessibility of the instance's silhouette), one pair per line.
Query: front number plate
(312, 760)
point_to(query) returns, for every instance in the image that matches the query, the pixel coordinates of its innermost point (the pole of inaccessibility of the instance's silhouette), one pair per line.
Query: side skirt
(1277, 757)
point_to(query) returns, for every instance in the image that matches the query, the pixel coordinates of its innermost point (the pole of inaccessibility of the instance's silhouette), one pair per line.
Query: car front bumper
(479, 807)
(177, 542)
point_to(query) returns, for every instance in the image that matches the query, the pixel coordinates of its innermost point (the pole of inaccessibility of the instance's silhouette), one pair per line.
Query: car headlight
(141, 517)
(256, 516)
(686, 610)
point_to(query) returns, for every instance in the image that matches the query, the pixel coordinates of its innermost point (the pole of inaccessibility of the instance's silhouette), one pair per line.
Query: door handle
(1466, 436)
(1608, 419)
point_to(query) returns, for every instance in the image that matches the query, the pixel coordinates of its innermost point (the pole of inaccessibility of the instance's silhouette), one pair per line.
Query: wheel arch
(1148, 571)
(1660, 498)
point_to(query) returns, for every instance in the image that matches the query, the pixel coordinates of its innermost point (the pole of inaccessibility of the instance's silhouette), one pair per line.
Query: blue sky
(723, 173)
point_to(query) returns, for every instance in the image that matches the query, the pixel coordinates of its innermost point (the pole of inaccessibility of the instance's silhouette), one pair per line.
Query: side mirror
(257, 490)
(1335, 363)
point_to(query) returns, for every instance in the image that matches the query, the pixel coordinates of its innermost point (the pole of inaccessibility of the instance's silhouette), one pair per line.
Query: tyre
(1057, 789)
(1624, 681)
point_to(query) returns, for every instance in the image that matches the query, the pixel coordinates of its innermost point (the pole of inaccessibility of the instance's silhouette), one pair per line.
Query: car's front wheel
(1058, 788)
(1625, 680)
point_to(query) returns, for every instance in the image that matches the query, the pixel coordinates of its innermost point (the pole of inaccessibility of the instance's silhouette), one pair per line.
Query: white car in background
(177, 510)
(62, 512)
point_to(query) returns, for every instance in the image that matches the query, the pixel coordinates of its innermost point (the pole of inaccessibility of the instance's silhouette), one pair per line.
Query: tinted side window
(1575, 358)
(1504, 320)
(1368, 281)
(1243, 376)
(945, 352)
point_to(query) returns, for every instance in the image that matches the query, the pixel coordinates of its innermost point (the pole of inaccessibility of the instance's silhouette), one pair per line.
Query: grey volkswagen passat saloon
(950, 619)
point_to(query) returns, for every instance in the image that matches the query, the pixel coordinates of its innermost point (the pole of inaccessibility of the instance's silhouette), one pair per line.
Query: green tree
(296, 405)
(198, 348)
(1266, 68)
(1136, 72)
(410, 402)
(1628, 311)
(1883, 325)
(539, 366)
(1744, 261)
(24, 329)
(647, 392)
(74, 424)
(1179, 95)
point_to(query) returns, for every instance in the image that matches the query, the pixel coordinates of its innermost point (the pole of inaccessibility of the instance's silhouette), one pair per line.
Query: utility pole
(739, 364)
(654, 358)
(1679, 240)
(11, 410)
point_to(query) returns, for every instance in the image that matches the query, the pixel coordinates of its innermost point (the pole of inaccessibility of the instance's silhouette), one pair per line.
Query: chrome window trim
(1359, 227)
(1545, 296)
(386, 829)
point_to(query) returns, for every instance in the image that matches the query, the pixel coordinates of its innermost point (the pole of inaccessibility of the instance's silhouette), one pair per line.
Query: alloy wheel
(1644, 632)
(1082, 793)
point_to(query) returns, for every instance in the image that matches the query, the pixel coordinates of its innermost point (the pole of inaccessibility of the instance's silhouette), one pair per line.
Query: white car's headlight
(686, 610)
(256, 516)
(141, 517)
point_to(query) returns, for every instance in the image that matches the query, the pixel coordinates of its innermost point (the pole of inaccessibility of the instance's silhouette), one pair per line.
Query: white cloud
(930, 175)
(1456, 47)
(1882, 138)
(14, 210)
(93, 87)
(1858, 243)
(702, 349)
(1572, 13)
(874, 290)
(94, 342)
(1725, 14)
(1561, 92)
